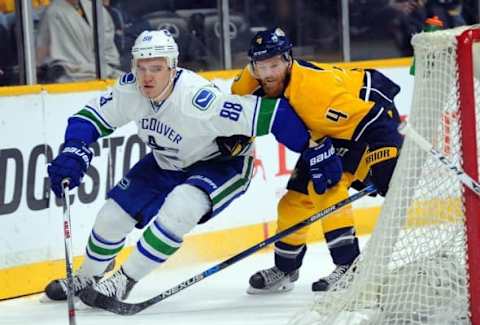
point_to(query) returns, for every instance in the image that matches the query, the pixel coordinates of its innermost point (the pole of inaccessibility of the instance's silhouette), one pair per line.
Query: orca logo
(203, 99)
(127, 78)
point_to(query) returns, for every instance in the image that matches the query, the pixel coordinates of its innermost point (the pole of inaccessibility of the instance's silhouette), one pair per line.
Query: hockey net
(421, 265)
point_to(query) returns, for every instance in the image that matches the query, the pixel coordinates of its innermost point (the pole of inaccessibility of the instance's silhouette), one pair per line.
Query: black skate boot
(324, 284)
(272, 280)
(57, 289)
(116, 287)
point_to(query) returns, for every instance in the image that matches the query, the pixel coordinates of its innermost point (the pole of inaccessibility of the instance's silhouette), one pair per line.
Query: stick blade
(96, 299)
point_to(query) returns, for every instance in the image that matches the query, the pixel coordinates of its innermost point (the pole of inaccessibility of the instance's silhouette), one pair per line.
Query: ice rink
(217, 300)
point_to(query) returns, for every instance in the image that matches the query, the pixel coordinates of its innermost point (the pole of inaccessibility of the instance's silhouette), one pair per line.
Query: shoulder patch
(127, 78)
(203, 99)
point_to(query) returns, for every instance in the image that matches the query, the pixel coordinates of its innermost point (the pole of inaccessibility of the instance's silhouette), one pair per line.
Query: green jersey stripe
(157, 233)
(104, 245)
(152, 250)
(97, 122)
(102, 251)
(157, 244)
(235, 186)
(265, 116)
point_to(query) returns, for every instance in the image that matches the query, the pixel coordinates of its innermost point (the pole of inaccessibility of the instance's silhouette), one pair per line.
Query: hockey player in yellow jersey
(349, 110)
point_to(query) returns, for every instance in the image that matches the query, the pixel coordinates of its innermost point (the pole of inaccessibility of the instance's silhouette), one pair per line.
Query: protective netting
(413, 268)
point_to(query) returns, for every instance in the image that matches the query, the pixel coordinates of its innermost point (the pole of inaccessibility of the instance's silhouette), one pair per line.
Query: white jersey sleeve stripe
(254, 121)
(99, 116)
(87, 114)
(274, 114)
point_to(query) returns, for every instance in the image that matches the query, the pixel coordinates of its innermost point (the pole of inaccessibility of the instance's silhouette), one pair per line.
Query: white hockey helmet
(156, 44)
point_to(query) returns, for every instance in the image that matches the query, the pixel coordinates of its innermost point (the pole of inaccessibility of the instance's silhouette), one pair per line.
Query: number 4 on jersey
(335, 115)
(153, 144)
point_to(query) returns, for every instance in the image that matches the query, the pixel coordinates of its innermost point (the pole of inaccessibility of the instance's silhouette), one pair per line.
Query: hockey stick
(67, 237)
(93, 298)
(407, 130)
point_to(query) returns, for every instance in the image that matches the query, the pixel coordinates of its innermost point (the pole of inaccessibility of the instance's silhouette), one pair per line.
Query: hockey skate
(57, 289)
(324, 284)
(272, 280)
(116, 287)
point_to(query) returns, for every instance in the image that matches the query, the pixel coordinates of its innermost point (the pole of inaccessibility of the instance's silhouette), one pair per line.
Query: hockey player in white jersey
(199, 162)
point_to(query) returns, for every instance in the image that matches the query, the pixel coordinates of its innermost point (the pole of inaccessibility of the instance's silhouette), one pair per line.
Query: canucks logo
(127, 78)
(203, 99)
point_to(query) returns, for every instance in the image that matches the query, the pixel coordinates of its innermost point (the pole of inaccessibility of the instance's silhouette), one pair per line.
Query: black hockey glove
(234, 145)
(382, 163)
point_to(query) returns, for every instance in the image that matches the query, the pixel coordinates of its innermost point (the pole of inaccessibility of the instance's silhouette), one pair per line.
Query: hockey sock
(288, 257)
(106, 239)
(343, 245)
(155, 246)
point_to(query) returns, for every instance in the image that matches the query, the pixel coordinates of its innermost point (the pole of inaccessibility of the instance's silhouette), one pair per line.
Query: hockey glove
(381, 175)
(324, 165)
(71, 163)
(382, 162)
(234, 145)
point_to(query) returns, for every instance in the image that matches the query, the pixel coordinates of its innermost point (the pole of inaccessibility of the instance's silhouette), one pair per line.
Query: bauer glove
(71, 163)
(325, 166)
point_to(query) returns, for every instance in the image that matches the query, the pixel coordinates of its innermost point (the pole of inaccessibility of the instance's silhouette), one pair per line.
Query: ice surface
(217, 300)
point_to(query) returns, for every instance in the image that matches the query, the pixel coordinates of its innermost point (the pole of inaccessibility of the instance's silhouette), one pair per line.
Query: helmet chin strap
(166, 88)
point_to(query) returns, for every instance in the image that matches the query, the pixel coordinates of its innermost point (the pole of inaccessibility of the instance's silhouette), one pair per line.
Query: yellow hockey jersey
(325, 97)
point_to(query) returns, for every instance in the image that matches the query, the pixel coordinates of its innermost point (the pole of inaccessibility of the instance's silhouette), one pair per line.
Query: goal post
(421, 264)
(468, 61)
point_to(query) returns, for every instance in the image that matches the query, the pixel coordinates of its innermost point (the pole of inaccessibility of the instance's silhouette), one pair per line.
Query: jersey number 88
(231, 111)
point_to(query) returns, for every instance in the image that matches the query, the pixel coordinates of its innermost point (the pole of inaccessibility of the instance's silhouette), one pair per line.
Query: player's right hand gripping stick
(72, 163)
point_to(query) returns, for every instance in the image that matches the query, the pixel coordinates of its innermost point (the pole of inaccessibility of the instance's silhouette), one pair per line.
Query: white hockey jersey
(182, 129)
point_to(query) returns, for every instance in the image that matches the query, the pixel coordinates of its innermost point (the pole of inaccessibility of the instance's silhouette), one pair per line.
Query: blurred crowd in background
(64, 36)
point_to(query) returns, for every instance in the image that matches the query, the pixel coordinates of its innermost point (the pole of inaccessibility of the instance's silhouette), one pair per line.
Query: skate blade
(284, 287)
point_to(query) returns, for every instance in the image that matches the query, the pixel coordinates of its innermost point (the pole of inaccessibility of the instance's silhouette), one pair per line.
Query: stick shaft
(67, 237)
(409, 131)
(124, 308)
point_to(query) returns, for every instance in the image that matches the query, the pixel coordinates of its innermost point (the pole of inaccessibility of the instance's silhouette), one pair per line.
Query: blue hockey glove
(71, 163)
(324, 165)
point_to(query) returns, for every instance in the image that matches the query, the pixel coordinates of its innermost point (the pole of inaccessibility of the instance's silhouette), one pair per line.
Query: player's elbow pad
(81, 130)
(289, 129)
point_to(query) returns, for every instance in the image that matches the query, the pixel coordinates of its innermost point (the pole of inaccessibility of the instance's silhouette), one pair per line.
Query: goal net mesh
(413, 269)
